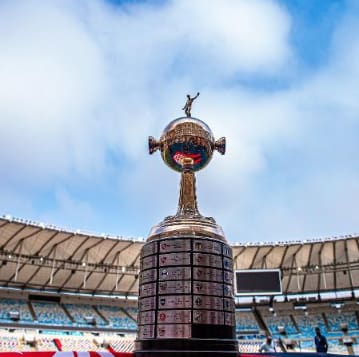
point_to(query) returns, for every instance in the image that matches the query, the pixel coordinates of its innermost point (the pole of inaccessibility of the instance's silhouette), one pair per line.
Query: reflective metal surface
(187, 137)
(186, 281)
(208, 317)
(146, 331)
(175, 302)
(174, 259)
(148, 290)
(174, 316)
(146, 318)
(174, 331)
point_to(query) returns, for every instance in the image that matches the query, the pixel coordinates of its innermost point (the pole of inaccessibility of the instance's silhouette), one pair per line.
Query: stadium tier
(66, 290)
(246, 322)
(55, 314)
(97, 327)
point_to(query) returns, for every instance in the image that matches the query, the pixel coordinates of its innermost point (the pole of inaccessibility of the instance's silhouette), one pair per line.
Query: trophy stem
(187, 203)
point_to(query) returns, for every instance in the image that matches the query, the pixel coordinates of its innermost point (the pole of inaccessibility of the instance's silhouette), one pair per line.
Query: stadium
(64, 290)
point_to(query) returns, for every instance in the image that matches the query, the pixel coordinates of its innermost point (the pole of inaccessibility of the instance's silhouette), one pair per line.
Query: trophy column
(186, 305)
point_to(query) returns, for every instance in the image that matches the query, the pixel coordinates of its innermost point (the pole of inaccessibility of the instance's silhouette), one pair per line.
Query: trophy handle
(220, 145)
(153, 145)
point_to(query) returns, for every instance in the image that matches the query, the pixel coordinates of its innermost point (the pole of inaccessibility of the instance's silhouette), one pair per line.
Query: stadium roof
(35, 256)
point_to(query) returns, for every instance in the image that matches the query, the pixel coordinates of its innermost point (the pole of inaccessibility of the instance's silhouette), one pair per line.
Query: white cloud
(52, 75)
(237, 36)
(71, 213)
(84, 84)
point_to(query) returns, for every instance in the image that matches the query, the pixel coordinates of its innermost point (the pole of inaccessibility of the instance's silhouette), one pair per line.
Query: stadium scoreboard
(258, 282)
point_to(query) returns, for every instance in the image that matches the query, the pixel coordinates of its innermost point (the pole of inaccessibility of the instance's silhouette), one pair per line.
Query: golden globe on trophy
(186, 305)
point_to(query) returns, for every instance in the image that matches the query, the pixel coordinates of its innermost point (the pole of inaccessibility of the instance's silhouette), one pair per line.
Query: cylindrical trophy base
(186, 347)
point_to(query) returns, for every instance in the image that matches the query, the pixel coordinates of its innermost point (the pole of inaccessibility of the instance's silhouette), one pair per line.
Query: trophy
(186, 305)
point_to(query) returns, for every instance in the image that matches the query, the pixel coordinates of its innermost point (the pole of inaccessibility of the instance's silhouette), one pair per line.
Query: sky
(84, 83)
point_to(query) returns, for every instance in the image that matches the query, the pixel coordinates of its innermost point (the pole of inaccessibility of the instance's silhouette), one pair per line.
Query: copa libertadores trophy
(186, 305)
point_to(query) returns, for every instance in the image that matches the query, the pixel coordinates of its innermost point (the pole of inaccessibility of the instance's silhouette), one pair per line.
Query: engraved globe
(184, 139)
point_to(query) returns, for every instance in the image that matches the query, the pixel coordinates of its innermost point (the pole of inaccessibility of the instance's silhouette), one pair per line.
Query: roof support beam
(113, 260)
(294, 262)
(254, 258)
(40, 250)
(264, 259)
(20, 242)
(236, 256)
(308, 263)
(322, 271)
(69, 258)
(335, 263)
(13, 236)
(348, 265)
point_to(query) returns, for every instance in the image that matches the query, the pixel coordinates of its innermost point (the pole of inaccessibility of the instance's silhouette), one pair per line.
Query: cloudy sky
(84, 83)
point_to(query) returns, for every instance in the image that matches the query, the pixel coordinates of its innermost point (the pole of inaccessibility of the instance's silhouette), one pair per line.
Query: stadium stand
(281, 321)
(305, 323)
(78, 276)
(298, 327)
(9, 343)
(45, 344)
(246, 322)
(337, 319)
(249, 346)
(117, 317)
(14, 310)
(84, 315)
(50, 313)
(78, 343)
(131, 311)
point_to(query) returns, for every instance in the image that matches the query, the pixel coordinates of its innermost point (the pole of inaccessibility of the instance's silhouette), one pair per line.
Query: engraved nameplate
(174, 316)
(146, 318)
(149, 262)
(175, 245)
(176, 273)
(175, 259)
(207, 302)
(228, 277)
(147, 276)
(207, 288)
(228, 304)
(207, 246)
(146, 331)
(148, 303)
(229, 319)
(208, 317)
(228, 263)
(148, 249)
(227, 250)
(214, 261)
(228, 290)
(174, 287)
(209, 274)
(174, 331)
(174, 302)
(148, 289)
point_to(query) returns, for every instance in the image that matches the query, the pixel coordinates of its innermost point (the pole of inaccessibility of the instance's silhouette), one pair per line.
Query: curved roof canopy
(35, 256)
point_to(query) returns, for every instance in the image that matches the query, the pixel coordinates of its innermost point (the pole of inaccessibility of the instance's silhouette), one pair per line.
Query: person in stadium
(268, 345)
(320, 341)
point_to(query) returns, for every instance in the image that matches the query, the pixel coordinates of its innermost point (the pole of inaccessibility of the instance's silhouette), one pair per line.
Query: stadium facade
(88, 279)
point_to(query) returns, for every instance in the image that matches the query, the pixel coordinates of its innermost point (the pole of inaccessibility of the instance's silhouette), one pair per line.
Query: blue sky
(83, 84)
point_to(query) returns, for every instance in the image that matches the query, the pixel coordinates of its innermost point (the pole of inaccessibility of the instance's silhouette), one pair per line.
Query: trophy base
(186, 348)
